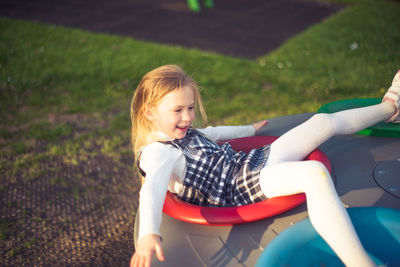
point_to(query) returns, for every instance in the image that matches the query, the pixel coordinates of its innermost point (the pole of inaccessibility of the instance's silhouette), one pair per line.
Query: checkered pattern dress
(218, 175)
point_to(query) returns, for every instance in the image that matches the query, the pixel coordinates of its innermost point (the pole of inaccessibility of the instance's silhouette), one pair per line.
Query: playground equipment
(366, 173)
(300, 245)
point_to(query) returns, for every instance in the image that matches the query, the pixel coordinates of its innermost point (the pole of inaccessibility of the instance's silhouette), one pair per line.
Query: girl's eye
(177, 110)
(191, 108)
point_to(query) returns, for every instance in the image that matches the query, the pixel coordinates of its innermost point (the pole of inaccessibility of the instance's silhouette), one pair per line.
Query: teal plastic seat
(300, 245)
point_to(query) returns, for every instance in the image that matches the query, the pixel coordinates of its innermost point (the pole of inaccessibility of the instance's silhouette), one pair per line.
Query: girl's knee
(318, 175)
(330, 123)
(317, 166)
(295, 177)
(324, 119)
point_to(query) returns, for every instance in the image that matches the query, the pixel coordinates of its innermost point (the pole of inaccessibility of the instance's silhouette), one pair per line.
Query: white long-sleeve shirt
(165, 168)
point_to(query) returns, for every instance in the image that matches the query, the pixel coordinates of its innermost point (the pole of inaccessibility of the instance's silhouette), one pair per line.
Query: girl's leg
(326, 211)
(284, 174)
(300, 141)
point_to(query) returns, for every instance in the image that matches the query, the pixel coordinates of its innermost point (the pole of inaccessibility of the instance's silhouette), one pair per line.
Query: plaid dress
(218, 175)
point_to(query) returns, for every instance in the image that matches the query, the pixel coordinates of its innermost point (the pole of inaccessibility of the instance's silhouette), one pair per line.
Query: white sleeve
(157, 161)
(228, 132)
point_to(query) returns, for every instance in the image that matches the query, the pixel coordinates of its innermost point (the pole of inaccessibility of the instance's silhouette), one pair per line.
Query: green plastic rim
(382, 129)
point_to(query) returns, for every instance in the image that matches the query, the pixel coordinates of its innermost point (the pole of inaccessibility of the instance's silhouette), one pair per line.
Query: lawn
(64, 108)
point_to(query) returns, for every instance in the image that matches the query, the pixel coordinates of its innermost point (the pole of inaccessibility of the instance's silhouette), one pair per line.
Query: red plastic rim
(183, 211)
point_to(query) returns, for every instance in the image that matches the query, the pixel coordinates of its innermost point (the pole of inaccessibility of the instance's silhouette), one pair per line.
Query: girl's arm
(157, 161)
(230, 132)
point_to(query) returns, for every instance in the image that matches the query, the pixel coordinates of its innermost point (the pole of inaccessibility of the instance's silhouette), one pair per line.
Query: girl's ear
(148, 112)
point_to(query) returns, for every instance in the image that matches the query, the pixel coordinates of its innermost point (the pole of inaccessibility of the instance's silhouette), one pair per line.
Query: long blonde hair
(152, 88)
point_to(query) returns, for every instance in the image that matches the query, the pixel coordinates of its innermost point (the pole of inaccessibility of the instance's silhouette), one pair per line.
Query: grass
(47, 69)
(353, 54)
(65, 93)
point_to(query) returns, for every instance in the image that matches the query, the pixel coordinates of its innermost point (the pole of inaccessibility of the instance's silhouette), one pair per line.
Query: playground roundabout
(199, 236)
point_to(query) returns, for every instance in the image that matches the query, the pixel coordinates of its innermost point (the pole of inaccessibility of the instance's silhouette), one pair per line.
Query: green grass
(47, 69)
(49, 74)
(353, 54)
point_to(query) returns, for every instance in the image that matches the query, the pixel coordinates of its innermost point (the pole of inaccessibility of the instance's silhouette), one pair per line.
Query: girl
(173, 156)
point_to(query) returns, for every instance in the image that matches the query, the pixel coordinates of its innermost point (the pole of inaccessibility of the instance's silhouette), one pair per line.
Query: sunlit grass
(48, 69)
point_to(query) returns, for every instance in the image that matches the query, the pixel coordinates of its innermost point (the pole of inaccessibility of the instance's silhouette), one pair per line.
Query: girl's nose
(186, 116)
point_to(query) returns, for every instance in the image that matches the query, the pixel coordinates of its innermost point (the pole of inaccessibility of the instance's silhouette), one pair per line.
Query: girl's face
(175, 113)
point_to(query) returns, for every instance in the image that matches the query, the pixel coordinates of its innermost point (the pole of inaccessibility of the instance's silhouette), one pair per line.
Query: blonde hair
(152, 88)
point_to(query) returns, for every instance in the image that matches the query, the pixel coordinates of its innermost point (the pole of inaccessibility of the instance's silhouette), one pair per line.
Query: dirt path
(240, 28)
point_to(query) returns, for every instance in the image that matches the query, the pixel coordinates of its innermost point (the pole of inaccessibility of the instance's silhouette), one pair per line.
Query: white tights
(285, 174)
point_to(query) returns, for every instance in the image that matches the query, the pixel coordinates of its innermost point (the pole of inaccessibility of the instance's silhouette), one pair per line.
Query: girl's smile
(175, 113)
(182, 128)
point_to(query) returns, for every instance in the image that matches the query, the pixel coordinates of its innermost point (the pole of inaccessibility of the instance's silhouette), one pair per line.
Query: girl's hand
(147, 245)
(258, 125)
